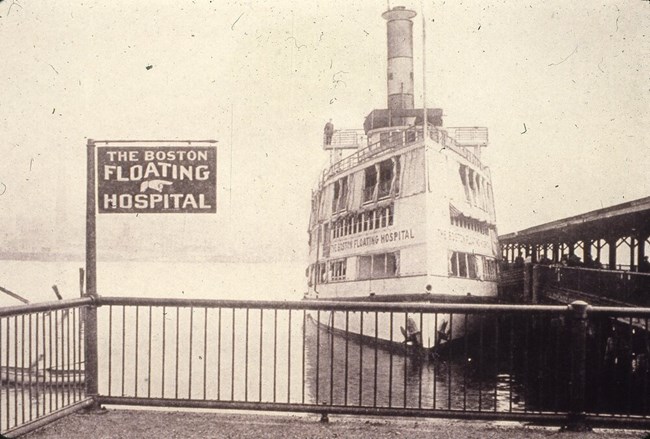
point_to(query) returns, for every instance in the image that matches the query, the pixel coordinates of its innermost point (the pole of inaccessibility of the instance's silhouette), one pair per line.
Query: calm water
(255, 281)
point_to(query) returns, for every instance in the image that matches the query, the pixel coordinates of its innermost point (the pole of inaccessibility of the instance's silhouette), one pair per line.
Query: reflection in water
(347, 372)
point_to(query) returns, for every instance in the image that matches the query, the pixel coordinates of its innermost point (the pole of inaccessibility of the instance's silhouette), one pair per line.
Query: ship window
(384, 265)
(365, 265)
(471, 266)
(338, 269)
(396, 162)
(343, 195)
(378, 266)
(489, 269)
(377, 214)
(453, 264)
(310, 274)
(322, 275)
(390, 216)
(370, 183)
(371, 219)
(391, 264)
(463, 179)
(462, 265)
(339, 200)
(390, 75)
(385, 178)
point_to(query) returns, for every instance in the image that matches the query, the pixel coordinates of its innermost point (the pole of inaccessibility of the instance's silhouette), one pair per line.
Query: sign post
(90, 319)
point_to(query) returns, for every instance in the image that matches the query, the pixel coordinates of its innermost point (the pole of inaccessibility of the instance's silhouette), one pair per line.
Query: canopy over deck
(631, 218)
(622, 225)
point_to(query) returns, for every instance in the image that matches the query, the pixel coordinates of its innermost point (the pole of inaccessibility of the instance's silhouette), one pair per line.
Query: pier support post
(539, 281)
(576, 419)
(528, 282)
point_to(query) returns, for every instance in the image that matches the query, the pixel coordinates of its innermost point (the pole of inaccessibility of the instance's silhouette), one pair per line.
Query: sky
(563, 88)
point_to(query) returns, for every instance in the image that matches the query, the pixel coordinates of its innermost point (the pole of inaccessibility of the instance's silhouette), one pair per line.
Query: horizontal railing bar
(330, 305)
(47, 419)
(44, 306)
(559, 418)
(315, 305)
(619, 311)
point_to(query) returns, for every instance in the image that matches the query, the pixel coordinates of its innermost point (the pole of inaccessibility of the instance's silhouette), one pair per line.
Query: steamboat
(407, 215)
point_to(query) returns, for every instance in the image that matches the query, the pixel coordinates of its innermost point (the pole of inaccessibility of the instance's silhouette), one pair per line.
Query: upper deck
(457, 139)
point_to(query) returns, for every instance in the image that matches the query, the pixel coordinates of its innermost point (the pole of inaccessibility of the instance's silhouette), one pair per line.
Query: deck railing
(572, 365)
(619, 286)
(346, 139)
(400, 139)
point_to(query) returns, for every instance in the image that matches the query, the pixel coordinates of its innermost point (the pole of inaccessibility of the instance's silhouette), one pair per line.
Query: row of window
(377, 266)
(372, 219)
(386, 265)
(477, 189)
(472, 266)
(379, 181)
(471, 224)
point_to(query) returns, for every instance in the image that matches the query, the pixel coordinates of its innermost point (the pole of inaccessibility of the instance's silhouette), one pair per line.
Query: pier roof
(630, 218)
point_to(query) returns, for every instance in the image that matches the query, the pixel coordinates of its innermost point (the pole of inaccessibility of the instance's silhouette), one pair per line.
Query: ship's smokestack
(400, 58)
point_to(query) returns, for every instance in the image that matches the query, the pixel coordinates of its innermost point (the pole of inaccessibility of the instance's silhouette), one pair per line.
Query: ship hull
(408, 333)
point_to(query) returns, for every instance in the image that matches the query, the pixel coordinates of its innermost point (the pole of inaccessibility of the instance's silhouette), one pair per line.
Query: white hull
(389, 328)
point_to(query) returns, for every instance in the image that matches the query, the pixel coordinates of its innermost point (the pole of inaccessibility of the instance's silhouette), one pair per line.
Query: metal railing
(42, 364)
(619, 286)
(346, 139)
(572, 365)
(443, 138)
(393, 140)
(477, 361)
(400, 139)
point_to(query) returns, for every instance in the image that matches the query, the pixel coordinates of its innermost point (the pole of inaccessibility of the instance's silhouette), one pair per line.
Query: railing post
(576, 419)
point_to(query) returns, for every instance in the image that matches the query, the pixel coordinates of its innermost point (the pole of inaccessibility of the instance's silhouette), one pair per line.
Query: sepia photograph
(318, 219)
